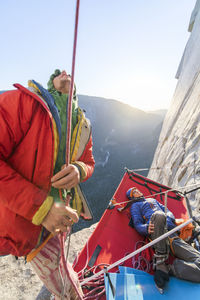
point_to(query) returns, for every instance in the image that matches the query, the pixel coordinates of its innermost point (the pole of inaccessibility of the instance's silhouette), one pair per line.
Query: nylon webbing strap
(134, 177)
(94, 256)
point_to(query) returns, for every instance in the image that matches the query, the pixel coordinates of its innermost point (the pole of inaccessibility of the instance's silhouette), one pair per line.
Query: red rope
(68, 141)
(95, 288)
(63, 261)
(69, 111)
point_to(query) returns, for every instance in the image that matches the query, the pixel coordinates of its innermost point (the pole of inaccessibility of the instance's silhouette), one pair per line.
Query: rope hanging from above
(69, 108)
(63, 260)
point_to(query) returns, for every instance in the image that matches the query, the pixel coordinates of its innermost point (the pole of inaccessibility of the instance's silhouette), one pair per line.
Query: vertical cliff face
(177, 158)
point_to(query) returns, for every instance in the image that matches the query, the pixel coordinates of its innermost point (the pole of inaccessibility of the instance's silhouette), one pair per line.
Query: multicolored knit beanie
(129, 193)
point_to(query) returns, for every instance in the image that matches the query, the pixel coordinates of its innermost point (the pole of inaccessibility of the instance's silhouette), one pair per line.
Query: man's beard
(65, 85)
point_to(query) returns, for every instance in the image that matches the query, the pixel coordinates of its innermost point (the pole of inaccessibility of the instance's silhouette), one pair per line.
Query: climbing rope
(141, 262)
(95, 292)
(94, 288)
(69, 106)
(96, 279)
(150, 244)
(62, 236)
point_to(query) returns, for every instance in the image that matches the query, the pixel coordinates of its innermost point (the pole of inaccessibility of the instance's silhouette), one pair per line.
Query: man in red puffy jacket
(32, 148)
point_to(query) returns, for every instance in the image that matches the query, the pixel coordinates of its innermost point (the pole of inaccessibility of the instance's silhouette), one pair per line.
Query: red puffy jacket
(26, 167)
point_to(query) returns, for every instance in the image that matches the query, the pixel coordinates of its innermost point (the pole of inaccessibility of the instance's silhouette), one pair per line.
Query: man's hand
(59, 218)
(67, 178)
(150, 228)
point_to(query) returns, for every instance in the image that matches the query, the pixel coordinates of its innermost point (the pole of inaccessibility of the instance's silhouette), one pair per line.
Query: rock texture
(177, 158)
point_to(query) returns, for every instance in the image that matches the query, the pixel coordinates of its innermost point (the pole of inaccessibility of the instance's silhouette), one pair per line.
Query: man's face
(62, 82)
(137, 193)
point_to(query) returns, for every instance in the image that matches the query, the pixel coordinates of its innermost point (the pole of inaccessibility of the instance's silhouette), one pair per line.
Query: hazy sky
(127, 49)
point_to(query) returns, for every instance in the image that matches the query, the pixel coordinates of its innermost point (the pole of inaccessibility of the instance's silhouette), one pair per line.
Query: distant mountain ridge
(161, 112)
(123, 136)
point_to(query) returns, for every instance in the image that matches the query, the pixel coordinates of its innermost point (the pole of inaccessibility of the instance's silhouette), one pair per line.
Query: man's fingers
(67, 178)
(60, 218)
(60, 209)
(61, 228)
(61, 174)
(65, 224)
(71, 214)
(56, 231)
(66, 211)
(67, 221)
(67, 186)
(64, 183)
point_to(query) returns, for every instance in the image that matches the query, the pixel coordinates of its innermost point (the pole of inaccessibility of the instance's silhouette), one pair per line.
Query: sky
(128, 50)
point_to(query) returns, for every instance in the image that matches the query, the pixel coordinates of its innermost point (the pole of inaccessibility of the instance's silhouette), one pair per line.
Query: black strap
(133, 176)
(110, 282)
(94, 256)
